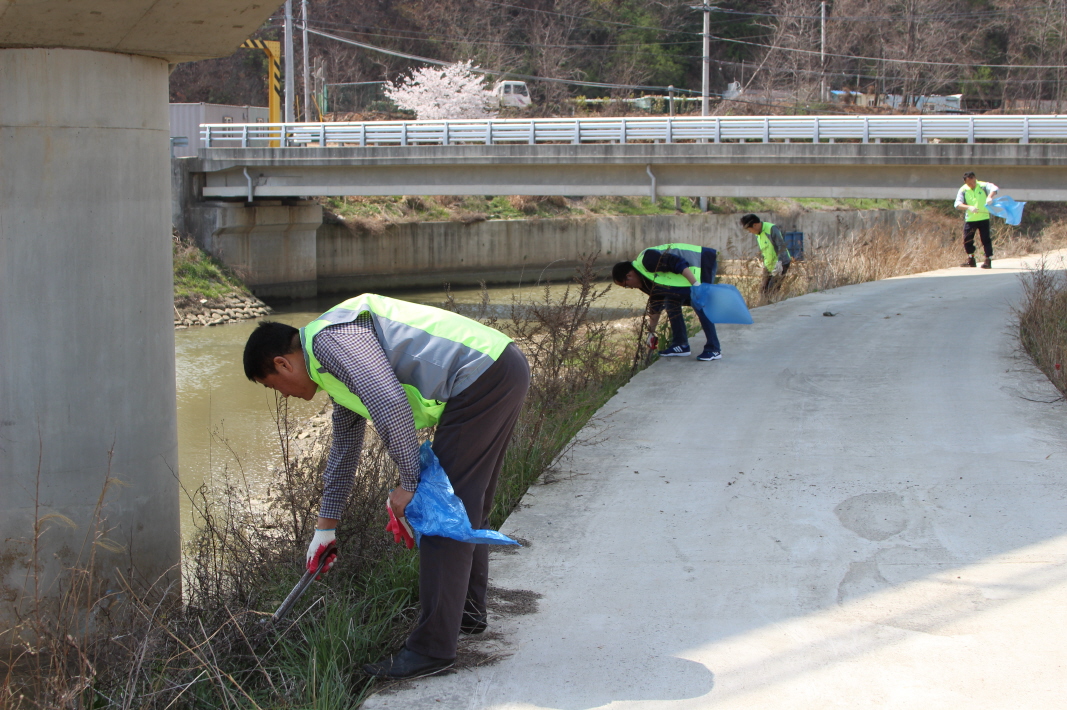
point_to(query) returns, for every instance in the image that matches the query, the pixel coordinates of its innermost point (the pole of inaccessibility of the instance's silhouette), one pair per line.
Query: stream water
(226, 424)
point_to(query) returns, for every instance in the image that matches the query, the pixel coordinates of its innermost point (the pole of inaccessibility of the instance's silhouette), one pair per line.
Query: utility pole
(290, 116)
(307, 72)
(822, 52)
(705, 83)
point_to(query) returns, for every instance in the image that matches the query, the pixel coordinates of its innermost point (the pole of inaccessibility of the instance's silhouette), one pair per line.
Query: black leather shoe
(405, 664)
(472, 623)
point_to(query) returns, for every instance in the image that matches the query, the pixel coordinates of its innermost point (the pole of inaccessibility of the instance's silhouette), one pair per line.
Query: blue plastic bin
(794, 242)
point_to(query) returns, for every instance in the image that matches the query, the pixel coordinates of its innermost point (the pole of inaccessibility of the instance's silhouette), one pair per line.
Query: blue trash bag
(435, 508)
(1007, 208)
(721, 303)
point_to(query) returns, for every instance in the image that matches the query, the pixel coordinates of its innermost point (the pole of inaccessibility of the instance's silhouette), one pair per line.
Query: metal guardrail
(765, 129)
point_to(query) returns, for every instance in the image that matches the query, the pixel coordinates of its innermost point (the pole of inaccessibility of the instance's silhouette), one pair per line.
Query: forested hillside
(1006, 55)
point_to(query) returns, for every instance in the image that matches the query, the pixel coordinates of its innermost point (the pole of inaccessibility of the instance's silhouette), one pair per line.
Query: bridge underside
(906, 171)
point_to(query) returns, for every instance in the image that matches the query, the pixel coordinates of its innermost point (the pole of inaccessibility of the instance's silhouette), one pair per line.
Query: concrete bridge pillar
(88, 424)
(270, 244)
(87, 390)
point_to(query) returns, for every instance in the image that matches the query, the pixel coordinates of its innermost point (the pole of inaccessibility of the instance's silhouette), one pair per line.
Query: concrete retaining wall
(511, 251)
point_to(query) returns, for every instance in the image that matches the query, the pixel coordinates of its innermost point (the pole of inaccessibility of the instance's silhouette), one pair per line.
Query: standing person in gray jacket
(775, 256)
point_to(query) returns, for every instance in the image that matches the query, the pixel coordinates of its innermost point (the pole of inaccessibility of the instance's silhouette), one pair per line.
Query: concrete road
(863, 510)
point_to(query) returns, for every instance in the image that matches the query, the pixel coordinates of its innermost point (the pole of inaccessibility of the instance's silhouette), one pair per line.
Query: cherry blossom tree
(436, 92)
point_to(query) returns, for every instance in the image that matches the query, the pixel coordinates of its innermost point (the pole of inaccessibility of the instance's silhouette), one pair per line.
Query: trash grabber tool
(302, 585)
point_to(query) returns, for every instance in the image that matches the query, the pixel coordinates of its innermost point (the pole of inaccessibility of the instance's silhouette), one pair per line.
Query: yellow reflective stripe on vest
(690, 252)
(435, 354)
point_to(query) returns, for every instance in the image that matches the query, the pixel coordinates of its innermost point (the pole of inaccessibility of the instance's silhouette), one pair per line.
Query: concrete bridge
(917, 157)
(246, 206)
(886, 170)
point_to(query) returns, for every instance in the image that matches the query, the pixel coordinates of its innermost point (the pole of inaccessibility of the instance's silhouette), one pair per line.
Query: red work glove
(324, 542)
(651, 340)
(401, 529)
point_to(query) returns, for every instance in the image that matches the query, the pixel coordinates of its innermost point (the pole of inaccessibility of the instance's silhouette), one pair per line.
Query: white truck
(512, 93)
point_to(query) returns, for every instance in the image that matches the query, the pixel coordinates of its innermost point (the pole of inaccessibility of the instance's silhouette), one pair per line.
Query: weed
(213, 650)
(1042, 321)
(200, 276)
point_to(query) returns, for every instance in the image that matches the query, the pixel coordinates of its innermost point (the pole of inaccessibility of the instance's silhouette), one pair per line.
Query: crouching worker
(407, 366)
(775, 256)
(666, 273)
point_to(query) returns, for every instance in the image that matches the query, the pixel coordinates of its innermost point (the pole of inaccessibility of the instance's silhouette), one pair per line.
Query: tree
(454, 91)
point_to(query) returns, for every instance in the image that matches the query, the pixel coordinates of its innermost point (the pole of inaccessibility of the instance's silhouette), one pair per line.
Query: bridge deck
(1034, 171)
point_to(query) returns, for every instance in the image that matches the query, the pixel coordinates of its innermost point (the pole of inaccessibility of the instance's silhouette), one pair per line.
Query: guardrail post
(815, 131)
(244, 135)
(533, 135)
(718, 131)
(489, 132)
(766, 129)
(622, 131)
(577, 132)
(205, 135)
(918, 129)
(404, 133)
(970, 129)
(866, 129)
(444, 137)
(1026, 130)
(363, 135)
(670, 128)
(285, 135)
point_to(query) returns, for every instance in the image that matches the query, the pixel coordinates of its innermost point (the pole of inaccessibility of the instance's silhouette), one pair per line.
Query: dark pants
(673, 306)
(982, 227)
(470, 442)
(772, 282)
(679, 334)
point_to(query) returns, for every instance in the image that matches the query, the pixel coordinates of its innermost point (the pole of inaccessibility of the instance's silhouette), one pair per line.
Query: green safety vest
(435, 354)
(689, 252)
(766, 247)
(977, 198)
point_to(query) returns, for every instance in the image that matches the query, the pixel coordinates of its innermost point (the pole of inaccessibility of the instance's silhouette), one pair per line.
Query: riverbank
(218, 311)
(206, 292)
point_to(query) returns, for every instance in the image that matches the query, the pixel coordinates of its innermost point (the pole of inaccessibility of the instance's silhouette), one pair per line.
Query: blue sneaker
(676, 351)
(709, 355)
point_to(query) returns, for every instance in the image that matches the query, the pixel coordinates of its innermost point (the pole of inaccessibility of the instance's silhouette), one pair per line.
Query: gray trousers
(470, 442)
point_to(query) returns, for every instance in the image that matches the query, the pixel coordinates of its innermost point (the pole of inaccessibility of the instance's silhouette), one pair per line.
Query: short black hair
(619, 271)
(968, 174)
(749, 219)
(269, 340)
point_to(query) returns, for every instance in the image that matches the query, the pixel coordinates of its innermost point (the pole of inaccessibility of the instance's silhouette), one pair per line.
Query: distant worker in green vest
(666, 273)
(973, 198)
(775, 256)
(407, 366)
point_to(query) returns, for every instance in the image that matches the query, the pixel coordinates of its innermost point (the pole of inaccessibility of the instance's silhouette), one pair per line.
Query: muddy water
(226, 424)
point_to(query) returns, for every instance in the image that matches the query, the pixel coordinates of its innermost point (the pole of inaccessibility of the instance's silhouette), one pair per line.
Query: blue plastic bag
(435, 508)
(1007, 208)
(721, 303)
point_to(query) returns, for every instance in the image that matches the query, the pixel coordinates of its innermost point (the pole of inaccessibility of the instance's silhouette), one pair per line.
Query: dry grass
(931, 243)
(1042, 320)
(212, 650)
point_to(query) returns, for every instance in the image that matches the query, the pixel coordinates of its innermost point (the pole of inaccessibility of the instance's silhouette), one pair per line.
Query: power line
(438, 62)
(883, 18)
(887, 59)
(464, 40)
